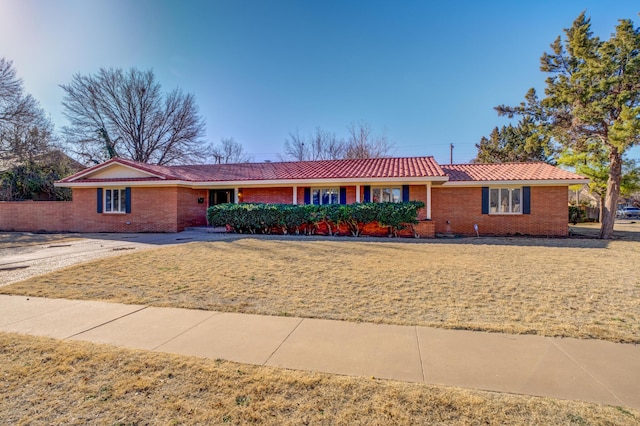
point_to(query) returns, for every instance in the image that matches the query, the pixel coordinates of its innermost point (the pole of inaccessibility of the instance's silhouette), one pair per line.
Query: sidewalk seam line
(415, 328)
(587, 371)
(105, 323)
(213, 314)
(283, 340)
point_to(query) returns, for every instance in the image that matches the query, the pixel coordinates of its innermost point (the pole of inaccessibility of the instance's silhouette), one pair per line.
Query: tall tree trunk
(600, 208)
(613, 193)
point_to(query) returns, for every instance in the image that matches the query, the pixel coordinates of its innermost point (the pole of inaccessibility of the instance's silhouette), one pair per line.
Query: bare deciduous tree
(29, 158)
(230, 151)
(295, 147)
(25, 130)
(126, 112)
(364, 143)
(326, 146)
(27, 141)
(322, 145)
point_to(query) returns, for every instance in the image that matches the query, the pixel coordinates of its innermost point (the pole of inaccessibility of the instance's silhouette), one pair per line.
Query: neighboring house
(502, 199)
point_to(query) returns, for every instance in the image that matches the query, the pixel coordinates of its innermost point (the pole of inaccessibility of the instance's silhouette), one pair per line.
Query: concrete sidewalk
(588, 370)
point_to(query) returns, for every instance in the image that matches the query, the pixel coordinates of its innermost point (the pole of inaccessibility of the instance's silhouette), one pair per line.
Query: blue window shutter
(526, 200)
(485, 200)
(127, 199)
(99, 198)
(307, 195)
(405, 193)
(343, 195)
(367, 194)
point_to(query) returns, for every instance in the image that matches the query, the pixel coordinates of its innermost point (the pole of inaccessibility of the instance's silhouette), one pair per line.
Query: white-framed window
(505, 200)
(386, 194)
(325, 196)
(115, 200)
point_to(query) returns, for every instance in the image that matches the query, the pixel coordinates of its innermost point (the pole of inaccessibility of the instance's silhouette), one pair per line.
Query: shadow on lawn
(624, 229)
(188, 237)
(581, 236)
(10, 240)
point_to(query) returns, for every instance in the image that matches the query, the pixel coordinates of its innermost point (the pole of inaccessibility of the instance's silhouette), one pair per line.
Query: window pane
(335, 198)
(123, 200)
(515, 200)
(107, 200)
(494, 200)
(329, 196)
(504, 200)
(376, 195)
(396, 195)
(116, 200)
(386, 195)
(316, 196)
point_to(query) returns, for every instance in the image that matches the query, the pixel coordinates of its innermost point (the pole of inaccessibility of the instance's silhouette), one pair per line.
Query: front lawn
(580, 288)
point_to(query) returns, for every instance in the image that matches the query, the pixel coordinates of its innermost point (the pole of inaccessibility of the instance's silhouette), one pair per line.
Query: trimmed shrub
(291, 219)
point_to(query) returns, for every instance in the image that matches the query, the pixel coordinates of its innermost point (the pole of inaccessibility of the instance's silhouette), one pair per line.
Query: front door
(221, 196)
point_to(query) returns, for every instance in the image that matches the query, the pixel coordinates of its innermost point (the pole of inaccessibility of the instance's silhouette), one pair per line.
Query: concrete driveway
(20, 260)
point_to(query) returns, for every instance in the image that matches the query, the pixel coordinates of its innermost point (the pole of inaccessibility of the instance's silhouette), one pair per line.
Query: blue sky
(426, 73)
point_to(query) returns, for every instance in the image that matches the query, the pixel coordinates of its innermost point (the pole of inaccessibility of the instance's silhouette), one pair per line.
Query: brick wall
(419, 193)
(282, 195)
(152, 210)
(36, 216)
(190, 211)
(462, 207)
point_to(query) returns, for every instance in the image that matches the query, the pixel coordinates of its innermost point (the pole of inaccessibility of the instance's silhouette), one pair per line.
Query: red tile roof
(369, 168)
(301, 170)
(411, 167)
(506, 172)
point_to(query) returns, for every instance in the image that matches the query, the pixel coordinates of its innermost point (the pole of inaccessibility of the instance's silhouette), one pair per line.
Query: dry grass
(557, 287)
(44, 381)
(17, 239)
(624, 229)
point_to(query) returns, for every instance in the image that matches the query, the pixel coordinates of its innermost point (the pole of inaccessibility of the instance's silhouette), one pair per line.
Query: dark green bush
(576, 215)
(398, 216)
(263, 218)
(30, 180)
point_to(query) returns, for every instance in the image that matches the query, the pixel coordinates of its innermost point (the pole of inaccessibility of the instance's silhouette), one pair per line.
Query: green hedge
(576, 215)
(287, 218)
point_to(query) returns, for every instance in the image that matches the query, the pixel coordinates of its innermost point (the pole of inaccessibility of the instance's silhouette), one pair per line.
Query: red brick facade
(171, 209)
(37, 216)
(192, 207)
(462, 208)
(152, 210)
(282, 195)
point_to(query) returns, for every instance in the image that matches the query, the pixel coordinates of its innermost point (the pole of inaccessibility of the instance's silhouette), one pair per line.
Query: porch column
(295, 195)
(236, 197)
(428, 200)
(358, 193)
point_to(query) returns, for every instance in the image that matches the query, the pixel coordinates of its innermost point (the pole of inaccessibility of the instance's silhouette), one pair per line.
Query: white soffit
(118, 171)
